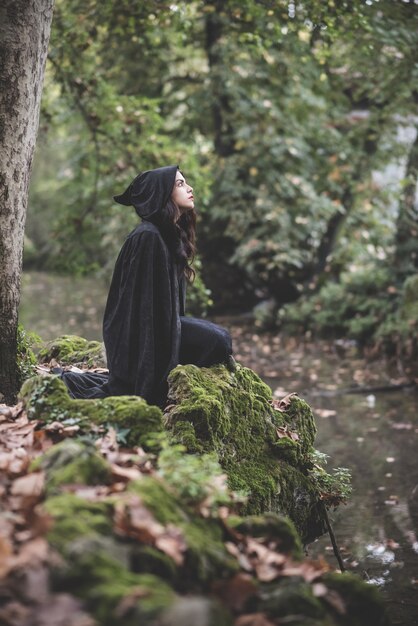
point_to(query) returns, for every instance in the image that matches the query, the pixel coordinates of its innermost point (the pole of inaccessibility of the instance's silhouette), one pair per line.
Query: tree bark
(221, 107)
(24, 35)
(406, 239)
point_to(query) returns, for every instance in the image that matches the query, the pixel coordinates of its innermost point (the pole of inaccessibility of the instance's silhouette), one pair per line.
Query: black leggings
(203, 343)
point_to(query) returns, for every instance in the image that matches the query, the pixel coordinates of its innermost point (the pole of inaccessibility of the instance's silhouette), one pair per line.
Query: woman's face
(182, 194)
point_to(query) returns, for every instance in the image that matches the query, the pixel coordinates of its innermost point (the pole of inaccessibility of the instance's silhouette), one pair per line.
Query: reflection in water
(375, 435)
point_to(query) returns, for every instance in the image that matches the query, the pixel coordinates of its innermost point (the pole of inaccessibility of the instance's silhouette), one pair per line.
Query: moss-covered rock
(72, 462)
(274, 528)
(127, 579)
(294, 597)
(265, 452)
(97, 572)
(363, 603)
(207, 557)
(46, 398)
(74, 517)
(74, 350)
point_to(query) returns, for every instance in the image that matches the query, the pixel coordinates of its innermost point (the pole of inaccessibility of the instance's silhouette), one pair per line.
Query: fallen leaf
(402, 426)
(172, 543)
(6, 552)
(236, 591)
(283, 403)
(29, 485)
(125, 473)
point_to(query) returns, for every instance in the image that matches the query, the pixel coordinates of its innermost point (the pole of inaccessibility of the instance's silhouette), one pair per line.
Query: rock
(196, 611)
(74, 350)
(46, 398)
(266, 453)
(72, 462)
(128, 578)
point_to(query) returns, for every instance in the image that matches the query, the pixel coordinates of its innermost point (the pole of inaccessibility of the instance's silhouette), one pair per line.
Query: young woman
(145, 331)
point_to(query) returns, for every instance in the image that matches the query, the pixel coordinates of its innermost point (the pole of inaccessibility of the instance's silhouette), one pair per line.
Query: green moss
(183, 432)
(73, 462)
(46, 399)
(74, 518)
(159, 500)
(73, 350)
(293, 597)
(299, 418)
(298, 499)
(364, 603)
(96, 566)
(231, 414)
(110, 583)
(273, 528)
(207, 557)
(146, 559)
(96, 572)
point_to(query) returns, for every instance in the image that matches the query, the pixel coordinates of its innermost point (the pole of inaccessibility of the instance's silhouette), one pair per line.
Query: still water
(374, 433)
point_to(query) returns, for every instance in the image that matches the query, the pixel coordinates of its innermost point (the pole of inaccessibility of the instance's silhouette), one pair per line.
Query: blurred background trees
(296, 124)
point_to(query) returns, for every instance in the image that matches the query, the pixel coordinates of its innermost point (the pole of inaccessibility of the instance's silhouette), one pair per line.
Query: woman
(145, 331)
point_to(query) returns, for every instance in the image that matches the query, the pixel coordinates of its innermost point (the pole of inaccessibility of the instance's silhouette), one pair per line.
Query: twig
(332, 537)
(359, 390)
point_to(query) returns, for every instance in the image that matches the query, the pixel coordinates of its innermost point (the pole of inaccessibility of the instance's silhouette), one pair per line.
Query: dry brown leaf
(308, 570)
(242, 558)
(31, 553)
(253, 619)
(6, 553)
(29, 485)
(283, 431)
(125, 473)
(129, 601)
(283, 403)
(172, 543)
(133, 519)
(236, 592)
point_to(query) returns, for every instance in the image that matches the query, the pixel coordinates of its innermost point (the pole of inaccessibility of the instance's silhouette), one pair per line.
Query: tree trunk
(221, 107)
(24, 34)
(406, 239)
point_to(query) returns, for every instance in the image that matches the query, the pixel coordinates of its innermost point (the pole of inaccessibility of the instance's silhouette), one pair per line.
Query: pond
(374, 433)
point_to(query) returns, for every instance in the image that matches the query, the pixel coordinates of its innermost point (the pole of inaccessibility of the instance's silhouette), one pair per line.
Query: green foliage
(334, 488)
(26, 357)
(279, 115)
(354, 307)
(196, 479)
(365, 306)
(199, 297)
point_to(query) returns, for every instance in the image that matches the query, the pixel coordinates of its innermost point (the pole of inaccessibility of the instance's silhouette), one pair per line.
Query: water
(56, 305)
(375, 434)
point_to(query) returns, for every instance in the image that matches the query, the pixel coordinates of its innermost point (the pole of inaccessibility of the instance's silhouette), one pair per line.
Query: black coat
(141, 324)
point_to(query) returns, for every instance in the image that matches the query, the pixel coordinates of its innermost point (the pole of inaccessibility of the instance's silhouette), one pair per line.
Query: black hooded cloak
(144, 314)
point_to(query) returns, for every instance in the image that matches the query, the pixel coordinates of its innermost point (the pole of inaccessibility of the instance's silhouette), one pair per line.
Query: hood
(150, 191)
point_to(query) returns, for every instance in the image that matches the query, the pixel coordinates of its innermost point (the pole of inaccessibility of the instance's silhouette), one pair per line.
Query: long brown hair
(179, 232)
